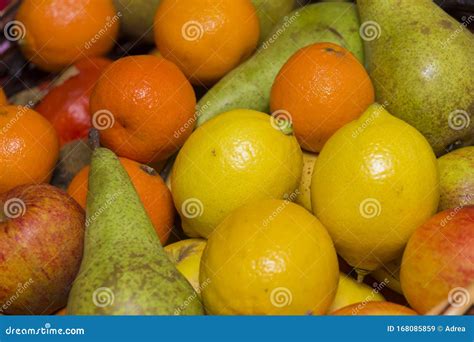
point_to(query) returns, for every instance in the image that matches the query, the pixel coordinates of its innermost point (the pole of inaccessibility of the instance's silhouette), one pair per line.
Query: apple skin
(438, 258)
(456, 178)
(186, 256)
(41, 245)
(374, 309)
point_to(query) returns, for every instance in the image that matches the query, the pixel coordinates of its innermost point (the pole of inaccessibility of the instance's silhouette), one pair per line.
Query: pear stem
(94, 139)
(361, 273)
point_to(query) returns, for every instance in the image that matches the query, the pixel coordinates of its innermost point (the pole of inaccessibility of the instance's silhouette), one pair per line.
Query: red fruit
(67, 105)
(438, 261)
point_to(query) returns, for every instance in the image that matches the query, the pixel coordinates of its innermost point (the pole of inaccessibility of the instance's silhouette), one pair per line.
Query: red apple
(438, 261)
(41, 242)
(374, 309)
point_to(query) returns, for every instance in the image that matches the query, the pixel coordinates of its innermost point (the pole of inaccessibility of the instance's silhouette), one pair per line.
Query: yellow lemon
(269, 257)
(186, 256)
(350, 292)
(304, 189)
(375, 181)
(239, 156)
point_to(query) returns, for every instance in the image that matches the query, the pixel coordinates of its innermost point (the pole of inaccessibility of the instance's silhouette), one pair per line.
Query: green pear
(456, 178)
(249, 85)
(422, 64)
(124, 270)
(270, 12)
(137, 18)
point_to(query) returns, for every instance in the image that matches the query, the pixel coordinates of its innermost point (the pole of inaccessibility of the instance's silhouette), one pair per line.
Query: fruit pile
(293, 158)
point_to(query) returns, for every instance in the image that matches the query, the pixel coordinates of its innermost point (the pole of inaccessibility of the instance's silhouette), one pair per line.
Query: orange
(3, 98)
(56, 33)
(143, 107)
(151, 189)
(29, 147)
(320, 89)
(206, 38)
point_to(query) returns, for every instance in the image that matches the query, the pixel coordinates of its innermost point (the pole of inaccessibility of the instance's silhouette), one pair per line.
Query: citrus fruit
(151, 189)
(143, 107)
(438, 261)
(3, 98)
(349, 291)
(206, 38)
(67, 105)
(375, 309)
(321, 87)
(269, 257)
(29, 150)
(186, 256)
(56, 33)
(234, 158)
(304, 189)
(374, 182)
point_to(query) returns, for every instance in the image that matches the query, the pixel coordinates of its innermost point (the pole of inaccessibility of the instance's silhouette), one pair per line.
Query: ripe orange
(3, 98)
(143, 107)
(206, 38)
(321, 88)
(67, 105)
(59, 32)
(29, 147)
(151, 189)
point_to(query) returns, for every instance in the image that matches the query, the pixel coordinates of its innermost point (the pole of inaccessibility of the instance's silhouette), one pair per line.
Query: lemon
(238, 156)
(304, 189)
(349, 291)
(269, 257)
(375, 181)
